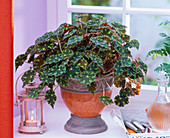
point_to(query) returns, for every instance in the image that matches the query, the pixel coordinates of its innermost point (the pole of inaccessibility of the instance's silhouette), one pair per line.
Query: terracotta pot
(85, 106)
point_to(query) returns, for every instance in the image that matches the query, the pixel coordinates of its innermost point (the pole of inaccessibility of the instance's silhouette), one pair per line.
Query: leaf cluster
(165, 51)
(84, 52)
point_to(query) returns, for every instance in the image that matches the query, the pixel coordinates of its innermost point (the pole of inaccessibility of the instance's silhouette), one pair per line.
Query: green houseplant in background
(163, 51)
(85, 52)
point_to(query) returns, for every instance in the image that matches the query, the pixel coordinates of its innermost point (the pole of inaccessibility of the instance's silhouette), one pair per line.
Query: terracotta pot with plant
(85, 60)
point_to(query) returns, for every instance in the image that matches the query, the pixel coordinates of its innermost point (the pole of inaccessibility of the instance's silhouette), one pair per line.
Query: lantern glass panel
(31, 110)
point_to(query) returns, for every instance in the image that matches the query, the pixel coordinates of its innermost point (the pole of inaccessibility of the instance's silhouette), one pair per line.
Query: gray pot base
(85, 125)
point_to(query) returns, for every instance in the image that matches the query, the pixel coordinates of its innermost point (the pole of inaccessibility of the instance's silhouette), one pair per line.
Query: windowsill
(151, 87)
(56, 118)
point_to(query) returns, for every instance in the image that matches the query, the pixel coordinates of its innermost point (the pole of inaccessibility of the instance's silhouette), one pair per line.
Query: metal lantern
(31, 111)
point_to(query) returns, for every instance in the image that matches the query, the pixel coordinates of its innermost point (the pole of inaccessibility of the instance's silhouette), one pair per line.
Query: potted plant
(85, 60)
(163, 51)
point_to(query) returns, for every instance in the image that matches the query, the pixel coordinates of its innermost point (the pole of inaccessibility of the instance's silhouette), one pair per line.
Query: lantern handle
(16, 83)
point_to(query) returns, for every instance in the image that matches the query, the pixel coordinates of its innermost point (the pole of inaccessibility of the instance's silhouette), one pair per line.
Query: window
(141, 17)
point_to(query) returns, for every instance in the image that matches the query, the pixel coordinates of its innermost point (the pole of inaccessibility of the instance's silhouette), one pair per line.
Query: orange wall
(6, 69)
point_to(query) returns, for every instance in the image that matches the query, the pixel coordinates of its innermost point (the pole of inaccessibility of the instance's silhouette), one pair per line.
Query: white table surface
(56, 118)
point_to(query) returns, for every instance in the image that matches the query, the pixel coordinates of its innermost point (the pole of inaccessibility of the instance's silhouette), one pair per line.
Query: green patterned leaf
(48, 79)
(31, 58)
(133, 66)
(97, 60)
(121, 100)
(92, 87)
(28, 77)
(76, 57)
(40, 48)
(92, 23)
(119, 81)
(69, 34)
(30, 50)
(42, 85)
(90, 29)
(99, 42)
(74, 39)
(64, 62)
(106, 100)
(83, 63)
(120, 71)
(105, 38)
(118, 68)
(62, 80)
(126, 62)
(134, 43)
(120, 50)
(118, 26)
(134, 92)
(142, 65)
(87, 53)
(126, 92)
(54, 59)
(127, 52)
(38, 62)
(117, 39)
(72, 71)
(81, 15)
(98, 17)
(107, 31)
(56, 70)
(51, 45)
(68, 53)
(45, 69)
(33, 93)
(131, 73)
(60, 30)
(92, 68)
(127, 45)
(52, 34)
(139, 73)
(118, 64)
(81, 47)
(86, 77)
(50, 97)
(125, 37)
(20, 60)
(44, 38)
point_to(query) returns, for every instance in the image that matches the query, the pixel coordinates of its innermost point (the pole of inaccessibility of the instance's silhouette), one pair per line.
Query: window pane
(146, 29)
(111, 17)
(151, 3)
(113, 3)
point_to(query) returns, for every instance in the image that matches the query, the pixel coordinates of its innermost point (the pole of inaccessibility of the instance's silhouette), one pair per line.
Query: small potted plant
(85, 60)
(163, 51)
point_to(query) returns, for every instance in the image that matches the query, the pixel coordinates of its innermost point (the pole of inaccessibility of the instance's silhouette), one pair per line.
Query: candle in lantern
(31, 122)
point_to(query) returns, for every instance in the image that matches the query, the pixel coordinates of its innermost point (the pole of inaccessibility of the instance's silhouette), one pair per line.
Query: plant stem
(103, 88)
(59, 44)
(56, 87)
(107, 84)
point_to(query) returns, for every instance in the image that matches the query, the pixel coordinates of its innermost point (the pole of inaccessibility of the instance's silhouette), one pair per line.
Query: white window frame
(64, 10)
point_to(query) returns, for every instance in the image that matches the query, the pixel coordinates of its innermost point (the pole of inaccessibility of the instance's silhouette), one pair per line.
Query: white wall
(30, 22)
